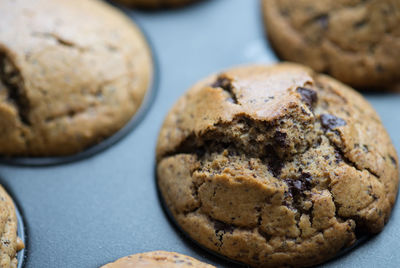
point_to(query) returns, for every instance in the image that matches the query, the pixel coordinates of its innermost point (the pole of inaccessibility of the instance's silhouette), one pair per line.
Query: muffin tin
(100, 205)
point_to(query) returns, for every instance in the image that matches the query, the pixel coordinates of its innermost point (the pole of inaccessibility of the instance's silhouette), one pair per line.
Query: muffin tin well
(106, 143)
(93, 211)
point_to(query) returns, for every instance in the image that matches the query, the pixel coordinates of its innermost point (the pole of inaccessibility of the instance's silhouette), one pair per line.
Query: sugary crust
(72, 73)
(158, 259)
(10, 243)
(355, 41)
(276, 165)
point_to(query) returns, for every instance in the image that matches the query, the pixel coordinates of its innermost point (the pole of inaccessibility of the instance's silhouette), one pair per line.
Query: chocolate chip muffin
(276, 166)
(154, 4)
(10, 243)
(357, 42)
(72, 73)
(158, 259)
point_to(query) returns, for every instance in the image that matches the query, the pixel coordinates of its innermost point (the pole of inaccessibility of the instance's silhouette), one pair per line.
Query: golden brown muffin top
(276, 165)
(158, 259)
(71, 74)
(355, 41)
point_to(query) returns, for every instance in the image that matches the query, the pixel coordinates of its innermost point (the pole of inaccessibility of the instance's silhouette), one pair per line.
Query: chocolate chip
(280, 138)
(365, 148)
(308, 96)
(200, 151)
(222, 226)
(393, 160)
(222, 82)
(360, 24)
(288, 194)
(226, 84)
(322, 20)
(284, 12)
(338, 157)
(275, 166)
(379, 68)
(331, 122)
(264, 234)
(255, 258)
(299, 185)
(306, 178)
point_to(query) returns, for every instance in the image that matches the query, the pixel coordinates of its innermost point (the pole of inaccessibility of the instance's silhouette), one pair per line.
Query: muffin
(357, 42)
(276, 166)
(10, 243)
(72, 73)
(158, 259)
(154, 4)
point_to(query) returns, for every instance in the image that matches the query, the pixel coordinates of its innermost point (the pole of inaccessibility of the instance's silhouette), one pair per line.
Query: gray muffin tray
(89, 210)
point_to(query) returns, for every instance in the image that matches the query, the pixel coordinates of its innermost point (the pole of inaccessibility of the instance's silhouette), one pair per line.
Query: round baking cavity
(273, 184)
(21, 256)
(106, 143)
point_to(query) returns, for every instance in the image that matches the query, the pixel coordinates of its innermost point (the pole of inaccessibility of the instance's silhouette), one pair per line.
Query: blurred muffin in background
(72, 73)
(10, 242)
(159, 258)
(155, 3)
(355, 41)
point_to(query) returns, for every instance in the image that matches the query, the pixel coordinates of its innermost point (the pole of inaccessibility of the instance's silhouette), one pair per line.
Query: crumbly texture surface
(355, 41)
(10, 243)
(72, 73)
(276, 165)
(155, 4)
(158, 259)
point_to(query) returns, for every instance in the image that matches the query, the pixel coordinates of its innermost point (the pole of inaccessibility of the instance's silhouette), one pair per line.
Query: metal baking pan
(89, 210)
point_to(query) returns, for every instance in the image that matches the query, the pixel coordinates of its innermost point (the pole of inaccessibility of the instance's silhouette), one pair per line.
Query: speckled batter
(10, 243)
(276, 165)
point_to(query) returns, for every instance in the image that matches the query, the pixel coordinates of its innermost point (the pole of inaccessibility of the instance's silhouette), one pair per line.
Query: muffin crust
(276, 165)
(158, 259)
(72, 73)
(355, 41)
(10, 243)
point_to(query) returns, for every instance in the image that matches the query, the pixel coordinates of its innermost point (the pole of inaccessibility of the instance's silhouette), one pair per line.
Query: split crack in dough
(276, 165)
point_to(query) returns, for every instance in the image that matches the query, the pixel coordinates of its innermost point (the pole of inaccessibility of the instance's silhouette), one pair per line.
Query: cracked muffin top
(72, 73)
(155, 3)
(276, 165)
(10, 243)
(158, 259)
(355, 41)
